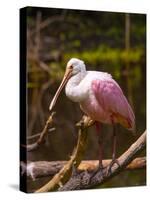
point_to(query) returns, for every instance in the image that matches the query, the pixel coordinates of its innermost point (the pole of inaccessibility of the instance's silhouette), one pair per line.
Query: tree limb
(86, 180)
(64, 174)
(38, 134)
(41, 139)
(39, 169)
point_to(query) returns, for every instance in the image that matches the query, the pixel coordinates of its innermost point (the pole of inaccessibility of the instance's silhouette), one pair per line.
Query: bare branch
(41, 139)
(44, 168)
(38, 134)
(64, 174)
(86, 180)
(48, 21)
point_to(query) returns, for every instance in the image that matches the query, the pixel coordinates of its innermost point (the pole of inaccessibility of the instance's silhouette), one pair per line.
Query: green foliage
(56, 71)
(106, 54)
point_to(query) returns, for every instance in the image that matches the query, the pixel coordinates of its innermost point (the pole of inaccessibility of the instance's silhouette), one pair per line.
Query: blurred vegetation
(106, 41)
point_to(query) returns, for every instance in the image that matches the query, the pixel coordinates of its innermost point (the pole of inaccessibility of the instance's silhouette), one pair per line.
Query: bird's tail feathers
(126, 122)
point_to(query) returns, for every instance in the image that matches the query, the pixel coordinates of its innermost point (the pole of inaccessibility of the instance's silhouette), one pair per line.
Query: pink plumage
(107, 104)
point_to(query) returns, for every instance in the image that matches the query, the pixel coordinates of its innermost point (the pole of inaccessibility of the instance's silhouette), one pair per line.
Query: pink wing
(110, 96)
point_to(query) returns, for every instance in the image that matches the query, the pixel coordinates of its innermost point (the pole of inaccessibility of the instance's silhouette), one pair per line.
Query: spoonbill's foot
(114, 161)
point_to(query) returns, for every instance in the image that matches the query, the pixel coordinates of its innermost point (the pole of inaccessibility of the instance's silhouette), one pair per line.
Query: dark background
(106, 41)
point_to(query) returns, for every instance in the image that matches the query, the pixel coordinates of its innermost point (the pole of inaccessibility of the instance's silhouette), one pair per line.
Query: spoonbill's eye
(70, 67)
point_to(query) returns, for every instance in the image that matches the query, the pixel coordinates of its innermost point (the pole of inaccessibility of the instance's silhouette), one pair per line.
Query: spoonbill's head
(74, 66)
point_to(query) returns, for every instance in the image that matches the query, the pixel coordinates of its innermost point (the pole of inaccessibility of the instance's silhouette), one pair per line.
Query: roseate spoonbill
(99, 96)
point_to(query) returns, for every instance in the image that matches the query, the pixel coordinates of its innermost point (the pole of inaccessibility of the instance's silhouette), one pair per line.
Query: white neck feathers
(74, 90)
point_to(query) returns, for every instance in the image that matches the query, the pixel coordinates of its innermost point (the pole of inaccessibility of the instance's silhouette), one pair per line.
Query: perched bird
(100, 98)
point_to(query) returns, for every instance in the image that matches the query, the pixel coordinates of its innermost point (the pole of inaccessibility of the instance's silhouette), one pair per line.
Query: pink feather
(110, 96)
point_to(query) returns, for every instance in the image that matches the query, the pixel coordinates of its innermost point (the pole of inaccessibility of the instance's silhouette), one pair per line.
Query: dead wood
(39, 169)
(85, 180)
(42, 135)
(64, 174)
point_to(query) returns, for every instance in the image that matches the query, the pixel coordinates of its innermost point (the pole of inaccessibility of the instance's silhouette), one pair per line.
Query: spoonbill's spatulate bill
(99, 96)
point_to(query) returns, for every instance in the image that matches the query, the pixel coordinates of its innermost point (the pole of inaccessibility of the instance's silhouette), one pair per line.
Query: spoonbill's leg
(100, 167)
(114, 144)
(99, 134)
